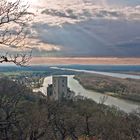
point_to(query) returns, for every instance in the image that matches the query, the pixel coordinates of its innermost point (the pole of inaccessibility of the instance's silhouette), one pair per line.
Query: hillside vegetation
(28, 116)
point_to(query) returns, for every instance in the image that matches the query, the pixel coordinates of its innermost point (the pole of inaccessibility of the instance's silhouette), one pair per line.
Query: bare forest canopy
(28, 116)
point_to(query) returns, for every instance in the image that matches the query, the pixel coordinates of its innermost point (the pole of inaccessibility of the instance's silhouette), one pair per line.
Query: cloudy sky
(85, 28)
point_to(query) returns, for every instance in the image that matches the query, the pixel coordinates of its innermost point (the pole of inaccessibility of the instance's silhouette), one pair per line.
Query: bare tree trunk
(87, 125)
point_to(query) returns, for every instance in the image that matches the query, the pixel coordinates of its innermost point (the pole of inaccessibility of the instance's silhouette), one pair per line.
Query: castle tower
(60, 87)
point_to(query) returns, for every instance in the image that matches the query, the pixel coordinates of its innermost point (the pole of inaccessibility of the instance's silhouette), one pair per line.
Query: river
(74, 85)
(116, 75)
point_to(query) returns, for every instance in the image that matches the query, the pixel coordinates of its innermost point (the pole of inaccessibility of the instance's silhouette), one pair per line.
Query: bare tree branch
(18, 59)
(14, 19)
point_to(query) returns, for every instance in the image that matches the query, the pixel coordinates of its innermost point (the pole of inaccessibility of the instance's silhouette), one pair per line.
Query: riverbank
(128, 89)
(74, 85)
(135, 73)
(135, 98)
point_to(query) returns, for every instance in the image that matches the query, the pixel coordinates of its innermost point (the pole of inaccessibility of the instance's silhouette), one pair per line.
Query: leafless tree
(14, 19)
(10, 108)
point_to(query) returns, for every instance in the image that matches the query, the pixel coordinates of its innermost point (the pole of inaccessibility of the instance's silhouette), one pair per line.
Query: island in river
(125, 88)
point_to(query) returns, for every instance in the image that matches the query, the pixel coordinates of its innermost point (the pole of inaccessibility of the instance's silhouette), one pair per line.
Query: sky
(85, 28)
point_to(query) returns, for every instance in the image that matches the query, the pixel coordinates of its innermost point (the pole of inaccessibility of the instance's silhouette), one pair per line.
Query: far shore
(115, 87)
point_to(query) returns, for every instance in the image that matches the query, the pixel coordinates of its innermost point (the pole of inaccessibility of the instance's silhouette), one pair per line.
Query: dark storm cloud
(91, 38)
(85, 13)
(69, 13)
(89, 27)
(86, 28)
(104, 13)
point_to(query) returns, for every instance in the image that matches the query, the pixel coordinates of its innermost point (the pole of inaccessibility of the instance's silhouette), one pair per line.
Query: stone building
(60, 87)
(59, 90)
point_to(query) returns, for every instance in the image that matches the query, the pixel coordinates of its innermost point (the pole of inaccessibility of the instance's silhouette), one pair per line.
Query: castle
(59, 90)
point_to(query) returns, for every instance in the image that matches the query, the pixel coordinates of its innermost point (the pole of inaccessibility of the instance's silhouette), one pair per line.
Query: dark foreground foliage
(25, 116)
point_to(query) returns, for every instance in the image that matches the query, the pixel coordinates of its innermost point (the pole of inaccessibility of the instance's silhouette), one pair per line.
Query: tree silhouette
(14, 19)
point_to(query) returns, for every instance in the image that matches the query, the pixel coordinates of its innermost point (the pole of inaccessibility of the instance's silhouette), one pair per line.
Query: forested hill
(28, 116)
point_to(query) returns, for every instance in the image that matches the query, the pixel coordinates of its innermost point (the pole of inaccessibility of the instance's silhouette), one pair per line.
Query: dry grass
(124, 88)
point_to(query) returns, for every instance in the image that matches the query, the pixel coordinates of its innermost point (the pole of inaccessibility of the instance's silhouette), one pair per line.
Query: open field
(117, 87)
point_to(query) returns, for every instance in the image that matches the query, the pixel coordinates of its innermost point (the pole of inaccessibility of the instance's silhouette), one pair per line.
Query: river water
(74, 85)
(117, 75)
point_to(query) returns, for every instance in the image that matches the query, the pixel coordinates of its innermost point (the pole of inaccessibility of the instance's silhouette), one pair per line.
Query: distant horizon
(84, 61)
(80, 61)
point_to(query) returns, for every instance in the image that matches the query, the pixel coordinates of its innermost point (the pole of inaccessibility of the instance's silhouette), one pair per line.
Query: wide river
(74, 85)
(117, 75)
